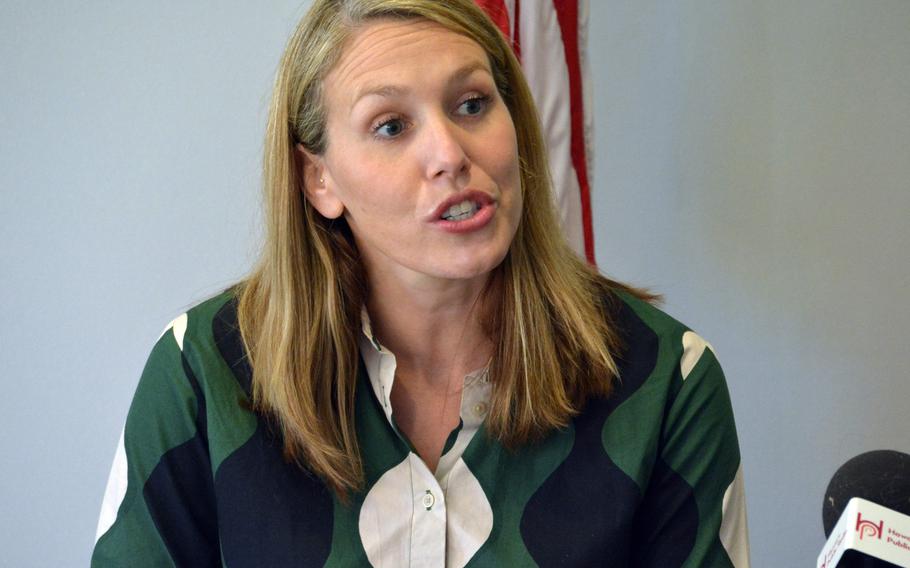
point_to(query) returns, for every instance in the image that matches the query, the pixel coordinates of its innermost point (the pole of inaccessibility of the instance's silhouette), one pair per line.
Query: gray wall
(752, 165)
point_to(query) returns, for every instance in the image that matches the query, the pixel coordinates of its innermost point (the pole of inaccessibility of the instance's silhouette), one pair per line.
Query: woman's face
(422, 157)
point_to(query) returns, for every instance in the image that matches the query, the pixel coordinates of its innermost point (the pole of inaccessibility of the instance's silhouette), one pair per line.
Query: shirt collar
(368, 329)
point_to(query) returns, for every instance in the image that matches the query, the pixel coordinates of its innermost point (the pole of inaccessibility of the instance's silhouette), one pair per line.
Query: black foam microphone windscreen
(880, 476)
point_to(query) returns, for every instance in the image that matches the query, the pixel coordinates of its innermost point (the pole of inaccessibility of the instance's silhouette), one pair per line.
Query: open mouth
(461, 211)
(464, 212)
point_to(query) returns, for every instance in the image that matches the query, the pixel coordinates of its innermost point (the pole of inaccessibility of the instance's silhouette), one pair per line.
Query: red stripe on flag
(567, 14)
(497, 11)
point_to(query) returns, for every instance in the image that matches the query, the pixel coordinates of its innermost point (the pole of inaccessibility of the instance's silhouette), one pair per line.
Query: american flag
(550, 39)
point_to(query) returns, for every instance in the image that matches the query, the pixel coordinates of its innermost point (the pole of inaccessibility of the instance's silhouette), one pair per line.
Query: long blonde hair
(299, 310)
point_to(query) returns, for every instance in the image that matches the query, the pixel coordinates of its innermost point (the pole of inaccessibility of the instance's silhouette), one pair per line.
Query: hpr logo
(868, 528)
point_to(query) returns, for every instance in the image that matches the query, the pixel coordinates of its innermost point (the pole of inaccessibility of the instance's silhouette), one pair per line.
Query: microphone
(866, 513)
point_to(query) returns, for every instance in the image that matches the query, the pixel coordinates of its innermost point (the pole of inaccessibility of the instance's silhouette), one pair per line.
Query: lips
(464, 212)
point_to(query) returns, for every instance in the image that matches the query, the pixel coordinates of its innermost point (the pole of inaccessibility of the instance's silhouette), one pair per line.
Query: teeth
(461, 211)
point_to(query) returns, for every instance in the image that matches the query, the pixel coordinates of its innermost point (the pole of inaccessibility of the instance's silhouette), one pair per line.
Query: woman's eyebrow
(389, 91)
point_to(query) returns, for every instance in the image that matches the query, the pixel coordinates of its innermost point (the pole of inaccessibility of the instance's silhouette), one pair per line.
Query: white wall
(752, 165)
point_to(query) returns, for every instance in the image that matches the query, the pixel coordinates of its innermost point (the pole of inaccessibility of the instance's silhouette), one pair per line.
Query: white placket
(428, 529)
(417, 532)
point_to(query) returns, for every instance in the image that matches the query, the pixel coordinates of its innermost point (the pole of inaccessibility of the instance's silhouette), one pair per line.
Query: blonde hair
(299, 310)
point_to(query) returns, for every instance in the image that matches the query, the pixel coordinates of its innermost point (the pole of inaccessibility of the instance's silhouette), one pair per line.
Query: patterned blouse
(650, 476)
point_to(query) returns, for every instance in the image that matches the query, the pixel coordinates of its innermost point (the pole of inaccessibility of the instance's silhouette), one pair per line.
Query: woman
(419, 372)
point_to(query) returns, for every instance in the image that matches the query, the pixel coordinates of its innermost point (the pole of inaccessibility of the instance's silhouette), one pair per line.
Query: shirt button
(480, 409)
(428, 500)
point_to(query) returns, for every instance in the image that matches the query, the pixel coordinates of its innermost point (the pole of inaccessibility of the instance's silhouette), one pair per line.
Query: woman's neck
(434, 328)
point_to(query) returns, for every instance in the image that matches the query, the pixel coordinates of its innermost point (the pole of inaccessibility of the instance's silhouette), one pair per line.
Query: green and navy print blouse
(649, 477)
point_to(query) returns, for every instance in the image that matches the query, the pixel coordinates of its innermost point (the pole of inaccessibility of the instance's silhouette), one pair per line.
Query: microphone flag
(864, 531)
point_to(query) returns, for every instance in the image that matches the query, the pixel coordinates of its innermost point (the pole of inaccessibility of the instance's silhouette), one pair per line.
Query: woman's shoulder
(642, 321)
(205, 341)
(661, 359)
(633, 305)
(196, 323)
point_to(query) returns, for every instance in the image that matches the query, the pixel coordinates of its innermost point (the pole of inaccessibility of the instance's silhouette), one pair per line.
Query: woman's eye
(473, 106)
(389, 128)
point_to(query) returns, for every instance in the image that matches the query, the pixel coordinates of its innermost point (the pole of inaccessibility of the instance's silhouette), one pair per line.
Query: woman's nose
(446, 154)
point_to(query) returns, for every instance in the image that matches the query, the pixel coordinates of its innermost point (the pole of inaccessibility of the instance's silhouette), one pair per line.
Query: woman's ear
(316, 187)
